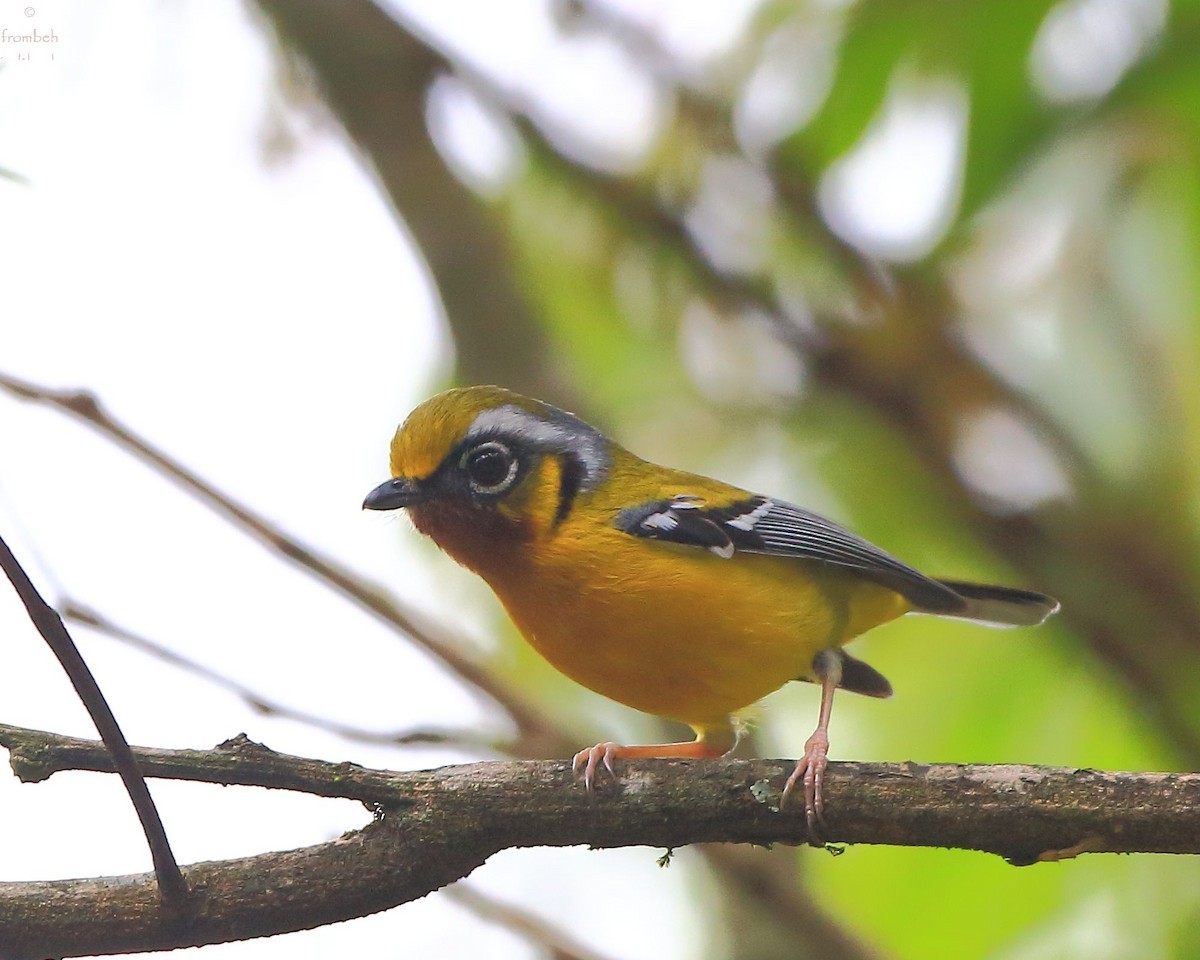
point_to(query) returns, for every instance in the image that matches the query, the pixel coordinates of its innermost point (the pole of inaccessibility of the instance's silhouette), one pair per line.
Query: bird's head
(477, 464)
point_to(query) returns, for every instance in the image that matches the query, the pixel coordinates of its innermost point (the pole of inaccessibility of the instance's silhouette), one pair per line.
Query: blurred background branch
(375, 80)
(472, 740)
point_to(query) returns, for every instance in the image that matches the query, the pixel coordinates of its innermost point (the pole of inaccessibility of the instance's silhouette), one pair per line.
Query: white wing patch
(678, 510)
(661, 521)
(747, 520)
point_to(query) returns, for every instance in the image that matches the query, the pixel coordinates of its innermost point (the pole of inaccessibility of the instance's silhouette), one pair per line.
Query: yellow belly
(680, 632)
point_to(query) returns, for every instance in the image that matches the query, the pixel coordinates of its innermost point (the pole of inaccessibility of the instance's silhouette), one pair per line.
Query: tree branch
(441, 824)
(49, 624)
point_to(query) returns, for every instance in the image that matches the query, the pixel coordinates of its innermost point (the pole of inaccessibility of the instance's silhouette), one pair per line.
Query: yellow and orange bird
(667, 591)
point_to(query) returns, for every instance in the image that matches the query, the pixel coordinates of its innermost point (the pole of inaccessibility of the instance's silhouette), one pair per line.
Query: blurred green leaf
(985, 46)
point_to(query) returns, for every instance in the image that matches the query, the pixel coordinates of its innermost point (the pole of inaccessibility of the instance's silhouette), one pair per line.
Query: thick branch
(443, 823)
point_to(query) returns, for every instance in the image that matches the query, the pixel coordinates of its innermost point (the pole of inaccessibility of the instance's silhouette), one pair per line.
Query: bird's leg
(811, 768)
(710, 742)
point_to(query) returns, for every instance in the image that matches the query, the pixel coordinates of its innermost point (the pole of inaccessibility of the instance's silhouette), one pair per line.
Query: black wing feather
(680, 520)
(776, 528)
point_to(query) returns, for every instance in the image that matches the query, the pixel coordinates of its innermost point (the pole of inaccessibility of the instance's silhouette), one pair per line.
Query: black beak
(396, 493)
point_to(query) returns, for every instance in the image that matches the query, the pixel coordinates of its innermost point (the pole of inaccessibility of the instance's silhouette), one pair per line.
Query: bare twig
(170, 881)
(539, 736)
(461, 738)
(441, 824)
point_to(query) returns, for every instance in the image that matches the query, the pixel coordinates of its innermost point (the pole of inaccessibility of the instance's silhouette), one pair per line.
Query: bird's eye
(491, 467)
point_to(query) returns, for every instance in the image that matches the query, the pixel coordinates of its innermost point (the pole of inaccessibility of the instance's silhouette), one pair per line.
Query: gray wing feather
(777, 528)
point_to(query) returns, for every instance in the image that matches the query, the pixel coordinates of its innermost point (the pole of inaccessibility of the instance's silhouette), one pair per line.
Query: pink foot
(590, 758)
(811, 770)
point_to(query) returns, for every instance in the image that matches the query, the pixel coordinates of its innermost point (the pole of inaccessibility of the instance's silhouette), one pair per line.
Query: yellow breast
(693, 637)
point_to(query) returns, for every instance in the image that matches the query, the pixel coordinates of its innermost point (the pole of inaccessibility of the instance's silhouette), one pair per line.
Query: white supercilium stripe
(568, 435)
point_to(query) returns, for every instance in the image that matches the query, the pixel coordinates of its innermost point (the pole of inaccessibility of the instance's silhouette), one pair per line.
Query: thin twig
(462, 738)
(49, 624)
(540, 737)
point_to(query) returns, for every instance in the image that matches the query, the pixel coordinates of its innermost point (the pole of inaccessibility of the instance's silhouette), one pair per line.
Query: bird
(667, 591)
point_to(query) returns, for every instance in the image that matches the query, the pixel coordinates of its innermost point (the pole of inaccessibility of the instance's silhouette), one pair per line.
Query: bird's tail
(1001, 606)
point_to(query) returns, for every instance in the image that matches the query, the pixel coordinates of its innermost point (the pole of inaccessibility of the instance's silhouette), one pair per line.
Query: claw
(713, 741)
(811, 771)
(591, 757)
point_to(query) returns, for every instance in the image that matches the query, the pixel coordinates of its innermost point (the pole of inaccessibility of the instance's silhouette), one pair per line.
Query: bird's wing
(774, 527)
